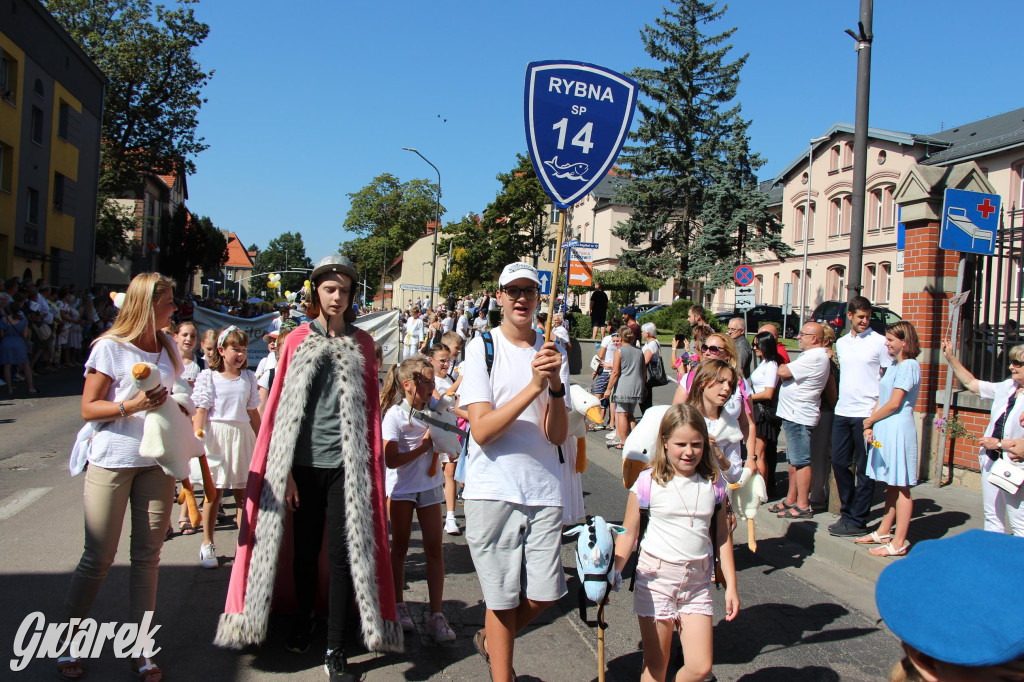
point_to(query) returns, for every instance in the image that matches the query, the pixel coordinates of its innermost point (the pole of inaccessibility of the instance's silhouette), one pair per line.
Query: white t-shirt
(446, 325)
(116, 444)
(734, 406)
(228, 400)
(861, 357)
(800, 396)
(442, 384)
(999, 394)
(191, 371)
(399, 426)
(480, 324)
(561, 335)
(726, 432)
(669, 535)
(765, 375)
(415, 335)
(268, 363)
(520, 466)
(652, 346)
(462, 329)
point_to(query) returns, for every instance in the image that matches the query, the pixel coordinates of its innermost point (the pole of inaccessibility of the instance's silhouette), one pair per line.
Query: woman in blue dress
(892, 437)
(13, 348)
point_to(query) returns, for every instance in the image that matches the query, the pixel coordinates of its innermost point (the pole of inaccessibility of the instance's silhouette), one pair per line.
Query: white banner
(255, 327)
(383, 327)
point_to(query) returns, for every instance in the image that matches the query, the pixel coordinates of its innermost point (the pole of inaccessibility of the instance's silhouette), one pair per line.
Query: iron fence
(990, 317)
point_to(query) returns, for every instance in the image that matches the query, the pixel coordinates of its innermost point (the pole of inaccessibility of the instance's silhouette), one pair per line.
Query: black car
(833, 313)
(763, 314)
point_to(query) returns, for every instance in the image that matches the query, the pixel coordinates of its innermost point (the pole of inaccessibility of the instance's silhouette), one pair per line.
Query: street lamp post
(807, 230)
(437, 221)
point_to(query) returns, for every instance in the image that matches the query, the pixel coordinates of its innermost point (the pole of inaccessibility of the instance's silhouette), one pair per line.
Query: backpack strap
(643, 495)
(488, 350)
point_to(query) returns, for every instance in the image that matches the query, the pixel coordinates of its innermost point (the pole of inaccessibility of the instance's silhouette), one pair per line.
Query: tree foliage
(511, 227)
(153, 98)
(690, 162)
(189, 243)
(389, 216)
(286, 252)
(622, 284)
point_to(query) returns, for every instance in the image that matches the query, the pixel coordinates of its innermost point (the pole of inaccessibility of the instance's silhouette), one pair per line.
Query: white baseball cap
(518, 270)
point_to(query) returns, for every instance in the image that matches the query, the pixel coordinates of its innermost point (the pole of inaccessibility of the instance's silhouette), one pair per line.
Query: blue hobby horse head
(595, 559)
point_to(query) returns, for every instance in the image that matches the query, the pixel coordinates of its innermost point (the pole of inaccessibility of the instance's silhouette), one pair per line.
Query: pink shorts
(666, 591)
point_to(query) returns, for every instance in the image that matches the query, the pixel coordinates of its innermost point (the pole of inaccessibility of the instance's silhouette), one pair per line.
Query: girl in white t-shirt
(440, 358)
(676, 564)
(714, 382)
(208, 345)
(413, 483)
(186, 335)
(225, 393)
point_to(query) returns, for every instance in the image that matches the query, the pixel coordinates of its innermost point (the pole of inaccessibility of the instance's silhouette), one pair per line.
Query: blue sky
(313, 99)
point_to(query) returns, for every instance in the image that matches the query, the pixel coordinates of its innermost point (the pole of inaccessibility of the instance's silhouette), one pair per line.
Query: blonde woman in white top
(118, 478)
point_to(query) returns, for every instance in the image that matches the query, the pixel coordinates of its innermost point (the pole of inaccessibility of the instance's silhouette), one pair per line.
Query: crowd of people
(331, 460)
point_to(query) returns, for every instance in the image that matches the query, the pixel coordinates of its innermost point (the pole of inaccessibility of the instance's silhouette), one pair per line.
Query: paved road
(801, 619)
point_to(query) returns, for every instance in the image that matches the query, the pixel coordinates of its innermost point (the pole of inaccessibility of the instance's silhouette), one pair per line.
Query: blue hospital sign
(970, 221)
(577, 118)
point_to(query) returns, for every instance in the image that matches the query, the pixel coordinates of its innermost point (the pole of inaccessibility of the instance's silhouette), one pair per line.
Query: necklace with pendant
(686, 508)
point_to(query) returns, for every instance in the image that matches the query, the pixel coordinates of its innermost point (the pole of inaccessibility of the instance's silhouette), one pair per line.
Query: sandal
(186, 528)
(873, 539)
(780, 507)
(888, 550)
(65, 664)
(147, 671)
(795, 512)
(480, 640)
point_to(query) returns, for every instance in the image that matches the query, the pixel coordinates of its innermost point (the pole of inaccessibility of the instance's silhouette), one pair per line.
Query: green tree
(734, 220)
(152, 101)
(286, 252)
(189, 243)
(510, 228)
(689, 132)
(388, 216)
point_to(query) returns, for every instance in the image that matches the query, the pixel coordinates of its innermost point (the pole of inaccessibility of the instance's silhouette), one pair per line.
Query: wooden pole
(600, 641)
(554, 286)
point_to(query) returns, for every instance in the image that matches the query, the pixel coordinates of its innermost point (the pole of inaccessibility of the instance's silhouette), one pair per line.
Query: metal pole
(940, 457)
(860, 147)
(437, 222)
(554, 279)
(807, 239)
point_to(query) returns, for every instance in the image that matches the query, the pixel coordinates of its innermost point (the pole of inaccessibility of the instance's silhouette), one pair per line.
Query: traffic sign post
(970, 224)
(577, 117)
(744, 275)
(745, 298)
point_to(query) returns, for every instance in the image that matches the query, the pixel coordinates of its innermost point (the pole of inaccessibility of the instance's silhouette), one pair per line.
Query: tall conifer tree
(694, 191)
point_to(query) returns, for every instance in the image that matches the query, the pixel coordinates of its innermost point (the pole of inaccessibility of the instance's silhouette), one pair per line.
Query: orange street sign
(579, 274)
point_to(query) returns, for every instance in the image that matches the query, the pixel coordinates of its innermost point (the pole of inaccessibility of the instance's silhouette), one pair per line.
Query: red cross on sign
(985, 208)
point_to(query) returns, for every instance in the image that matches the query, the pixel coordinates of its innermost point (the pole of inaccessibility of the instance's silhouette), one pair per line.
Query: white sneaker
(611, 435)
(208, 556)
(439, 628)
(403, 617)
(451, 526)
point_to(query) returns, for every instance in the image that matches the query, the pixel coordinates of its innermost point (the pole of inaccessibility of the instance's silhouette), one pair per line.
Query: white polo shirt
(861, 358)
(799, 397)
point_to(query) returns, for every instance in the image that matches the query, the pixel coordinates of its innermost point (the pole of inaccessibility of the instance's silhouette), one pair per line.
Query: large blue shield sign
(577, 117)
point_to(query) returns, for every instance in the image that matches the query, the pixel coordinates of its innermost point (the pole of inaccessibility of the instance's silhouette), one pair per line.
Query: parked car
(647, 309)
(833, 313)
(762, 314)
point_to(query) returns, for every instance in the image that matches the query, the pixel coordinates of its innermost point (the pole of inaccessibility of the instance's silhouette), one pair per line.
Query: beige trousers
(108, 493)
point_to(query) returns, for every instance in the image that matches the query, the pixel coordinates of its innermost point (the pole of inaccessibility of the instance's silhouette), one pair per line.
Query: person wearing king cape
(262, 575)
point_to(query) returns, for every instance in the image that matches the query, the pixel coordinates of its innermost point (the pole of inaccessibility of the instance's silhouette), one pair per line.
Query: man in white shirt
(862, 358)
(517, 413)
(803, 380)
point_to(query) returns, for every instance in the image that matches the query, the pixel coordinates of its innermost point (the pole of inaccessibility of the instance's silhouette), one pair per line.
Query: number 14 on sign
(582, 138)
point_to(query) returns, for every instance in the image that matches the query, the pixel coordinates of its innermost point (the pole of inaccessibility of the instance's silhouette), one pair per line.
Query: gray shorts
(798, 443)
(625, 406)
(515, 549)
(423, 498)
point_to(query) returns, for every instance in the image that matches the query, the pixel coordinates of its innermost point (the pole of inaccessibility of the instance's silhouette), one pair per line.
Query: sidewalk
(938, 512)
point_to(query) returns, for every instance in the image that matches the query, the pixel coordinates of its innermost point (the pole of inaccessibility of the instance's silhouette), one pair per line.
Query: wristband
(120, 406)
(559, 394)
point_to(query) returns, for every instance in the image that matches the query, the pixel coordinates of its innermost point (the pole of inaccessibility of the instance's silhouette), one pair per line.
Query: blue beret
(958, 599)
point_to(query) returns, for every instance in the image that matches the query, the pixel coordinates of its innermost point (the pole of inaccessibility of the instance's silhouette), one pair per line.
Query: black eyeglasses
(714, 349)
(514, 293)
(1014, 363)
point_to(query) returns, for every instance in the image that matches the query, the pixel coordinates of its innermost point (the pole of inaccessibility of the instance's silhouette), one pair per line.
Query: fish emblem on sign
(577, 118)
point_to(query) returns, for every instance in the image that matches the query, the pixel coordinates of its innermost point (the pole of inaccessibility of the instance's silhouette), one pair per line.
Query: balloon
(306, 284)
(287, 294)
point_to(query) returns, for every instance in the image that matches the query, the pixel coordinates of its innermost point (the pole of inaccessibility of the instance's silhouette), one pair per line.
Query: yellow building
(51, 106)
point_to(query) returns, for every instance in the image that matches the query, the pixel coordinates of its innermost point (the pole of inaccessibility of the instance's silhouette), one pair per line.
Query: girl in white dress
(186, 335)
(226, 394)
